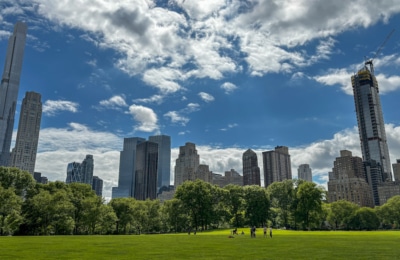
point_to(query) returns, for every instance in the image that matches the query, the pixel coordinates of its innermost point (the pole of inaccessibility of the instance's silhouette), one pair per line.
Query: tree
(341, 212)
(124, 210)
(365, 219)
(308, 203)
(107, 220)
(197, 200)
(10, 211)
(21, 181)
(282, 195)
(174, 215)
(235, 204)
(256, 205)
(389, 213)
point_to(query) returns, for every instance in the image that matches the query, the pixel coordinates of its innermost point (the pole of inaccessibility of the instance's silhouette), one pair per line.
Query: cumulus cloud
(53, 107)
(228, 87)
(158, 99)
(206, 97)
(179, 116)
(116, 102)
(145, 117)
(210, 38)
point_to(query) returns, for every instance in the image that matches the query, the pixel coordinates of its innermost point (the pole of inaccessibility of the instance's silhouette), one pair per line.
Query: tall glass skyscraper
(164, 160)
(146, 171)
(23, 155)
(9, 89)
(126, 178)
(371, 126)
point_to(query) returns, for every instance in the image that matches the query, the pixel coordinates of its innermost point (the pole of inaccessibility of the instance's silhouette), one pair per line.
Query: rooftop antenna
(378, 51)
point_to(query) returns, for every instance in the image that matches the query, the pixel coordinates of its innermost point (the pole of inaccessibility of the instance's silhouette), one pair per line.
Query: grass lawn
(209, 245)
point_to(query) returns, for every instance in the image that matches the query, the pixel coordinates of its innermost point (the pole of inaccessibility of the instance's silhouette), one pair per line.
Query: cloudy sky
(227, 75)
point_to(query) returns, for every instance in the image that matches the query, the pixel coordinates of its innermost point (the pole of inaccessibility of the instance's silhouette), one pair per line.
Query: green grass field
(208, 245)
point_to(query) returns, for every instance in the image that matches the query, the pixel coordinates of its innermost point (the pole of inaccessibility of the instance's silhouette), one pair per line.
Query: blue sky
(227, 75)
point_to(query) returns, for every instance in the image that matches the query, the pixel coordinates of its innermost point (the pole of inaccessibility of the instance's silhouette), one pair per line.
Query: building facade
(164, 160)
(186, 164)
(347, 181)
(396, 170)
(371, 126)
(126, 177)
(304, 172)
(81, 172)
(9, 89)
(277, 165)
(203, 173)
(23, 155)
(146, 171)
(97, 186)
(251, 171)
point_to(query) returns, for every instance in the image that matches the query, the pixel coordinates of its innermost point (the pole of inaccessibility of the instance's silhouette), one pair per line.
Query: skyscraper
(396, 170)
(251, 171)
(347, 181)
(23, 155)
(97, 185)
(371, 126)
(164, 160)
(126, 176)
(304, 172)
(9, 89)
(187, 164)
(81, 172)
(277, 165)
(146, 171)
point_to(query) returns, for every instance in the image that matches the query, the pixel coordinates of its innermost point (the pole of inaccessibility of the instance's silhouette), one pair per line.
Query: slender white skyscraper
(9, 89)
(304, 172)
(23, 155)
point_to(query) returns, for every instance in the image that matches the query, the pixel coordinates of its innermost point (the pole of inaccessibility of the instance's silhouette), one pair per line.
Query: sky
(227, 75)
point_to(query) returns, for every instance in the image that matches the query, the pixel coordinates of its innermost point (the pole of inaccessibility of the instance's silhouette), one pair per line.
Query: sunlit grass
(209, 245)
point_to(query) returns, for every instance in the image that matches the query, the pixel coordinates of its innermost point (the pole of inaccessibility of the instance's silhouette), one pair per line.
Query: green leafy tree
(197, 199)
(107, 220)
(308, 204)
(10, 211)
(389, 213)
(341, 212)
(256, 205)
(365, 219)
(124, 210)
(282, 195)
(21, 181)
(174, 215)
(235, 204)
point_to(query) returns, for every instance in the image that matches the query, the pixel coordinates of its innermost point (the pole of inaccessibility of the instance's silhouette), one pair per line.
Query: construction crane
(378, 51)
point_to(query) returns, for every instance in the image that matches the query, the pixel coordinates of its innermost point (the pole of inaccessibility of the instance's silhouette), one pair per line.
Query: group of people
(265, 231)
(253, 231)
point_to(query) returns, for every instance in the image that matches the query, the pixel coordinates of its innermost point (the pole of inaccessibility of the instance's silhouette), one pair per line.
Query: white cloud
(146, 118)
(206, 97)
(175, 117)
(158, 99)
(52, 107)
(115, 102)
(211, 37)
(228, 87)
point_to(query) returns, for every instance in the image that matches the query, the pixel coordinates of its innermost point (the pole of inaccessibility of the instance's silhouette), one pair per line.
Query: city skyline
(226, 76)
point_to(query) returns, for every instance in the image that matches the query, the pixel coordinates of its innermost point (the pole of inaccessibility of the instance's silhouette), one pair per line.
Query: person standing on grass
(265, 231)
(270, 232)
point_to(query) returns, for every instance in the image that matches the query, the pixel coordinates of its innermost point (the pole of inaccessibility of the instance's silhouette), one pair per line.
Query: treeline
(56, 208)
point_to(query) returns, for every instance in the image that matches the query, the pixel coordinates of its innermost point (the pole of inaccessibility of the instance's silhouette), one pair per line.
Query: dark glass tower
(251, 171)
(9, 89)
(146, 171)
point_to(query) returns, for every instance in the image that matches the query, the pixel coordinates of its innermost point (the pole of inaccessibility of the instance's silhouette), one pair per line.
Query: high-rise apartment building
(233, 177)
(126, 176)
(146, 171)
(277, 165)
(371, 126)
(97, 186)
(81, 172)
(203, 173)
(396, 170)
(23, 155)
(164, 160)
(347, 181)
(9, 89)
(251, 171)
(304, 172)
(187, 163)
